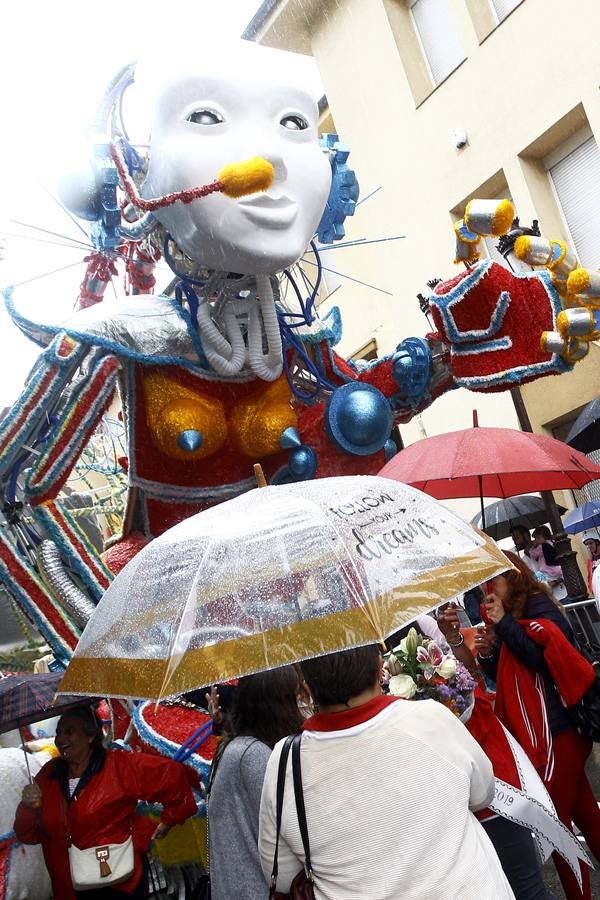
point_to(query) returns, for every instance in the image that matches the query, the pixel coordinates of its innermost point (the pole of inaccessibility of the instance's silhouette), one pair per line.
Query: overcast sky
(56, 60)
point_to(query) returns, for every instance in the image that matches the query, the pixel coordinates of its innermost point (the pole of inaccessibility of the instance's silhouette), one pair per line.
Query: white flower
(403, 686)
(447, 668)
(393, 664)
(409, 644)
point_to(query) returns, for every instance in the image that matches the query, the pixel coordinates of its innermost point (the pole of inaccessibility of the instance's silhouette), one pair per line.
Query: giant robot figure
(227, 371)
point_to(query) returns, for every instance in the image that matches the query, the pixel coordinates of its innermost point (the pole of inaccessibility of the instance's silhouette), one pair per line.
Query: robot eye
(204, 117)
(294, 122)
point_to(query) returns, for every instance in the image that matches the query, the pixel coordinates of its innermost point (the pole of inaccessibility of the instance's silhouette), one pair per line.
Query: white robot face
(211, 117)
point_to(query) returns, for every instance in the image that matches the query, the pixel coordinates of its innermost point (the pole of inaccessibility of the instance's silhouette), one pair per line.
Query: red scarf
(489, 734)
(347, 718)
(521, 697)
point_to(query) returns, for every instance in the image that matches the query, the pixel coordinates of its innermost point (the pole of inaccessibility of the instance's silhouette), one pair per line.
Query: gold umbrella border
(142, 678)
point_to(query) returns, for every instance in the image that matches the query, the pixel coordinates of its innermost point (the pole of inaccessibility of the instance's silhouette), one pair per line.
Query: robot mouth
(270, 212)
(266, 201)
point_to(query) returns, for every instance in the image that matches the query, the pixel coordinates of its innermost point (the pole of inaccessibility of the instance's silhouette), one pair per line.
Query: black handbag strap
(285, 752)
(300, 808)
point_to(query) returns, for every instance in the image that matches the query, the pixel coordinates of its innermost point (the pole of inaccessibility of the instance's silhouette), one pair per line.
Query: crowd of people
(377, 776)
(395, 794)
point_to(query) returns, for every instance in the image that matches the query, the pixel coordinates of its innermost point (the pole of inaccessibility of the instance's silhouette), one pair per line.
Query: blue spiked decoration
(343, 194)
(190, 440)
(302, 461)
(290, 439)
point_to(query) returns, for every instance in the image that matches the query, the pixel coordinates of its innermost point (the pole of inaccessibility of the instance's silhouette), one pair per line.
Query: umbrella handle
(26, 755)
(480, 480)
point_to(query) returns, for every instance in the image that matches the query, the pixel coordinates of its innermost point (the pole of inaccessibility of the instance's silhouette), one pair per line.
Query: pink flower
(431, 655)
(434, 662)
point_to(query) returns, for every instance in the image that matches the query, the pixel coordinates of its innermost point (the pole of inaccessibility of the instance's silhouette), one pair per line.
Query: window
(575, 175)
(439, 37)
(503, 7)
(368, 352)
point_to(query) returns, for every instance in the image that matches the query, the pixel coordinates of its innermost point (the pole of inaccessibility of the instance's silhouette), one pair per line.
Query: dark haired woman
(265, 709)
(538, 674)
(91, 794)
(389, 788)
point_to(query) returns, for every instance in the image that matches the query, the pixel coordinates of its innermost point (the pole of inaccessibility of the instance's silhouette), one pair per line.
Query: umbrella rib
(168, 669)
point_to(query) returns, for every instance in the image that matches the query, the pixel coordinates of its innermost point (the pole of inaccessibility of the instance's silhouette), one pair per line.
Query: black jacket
(509, 632)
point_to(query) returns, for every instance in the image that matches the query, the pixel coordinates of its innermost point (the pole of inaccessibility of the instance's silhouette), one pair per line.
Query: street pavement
(550, 876)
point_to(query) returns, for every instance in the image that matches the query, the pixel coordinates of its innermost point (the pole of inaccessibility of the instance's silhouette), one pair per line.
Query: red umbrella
(490, 462)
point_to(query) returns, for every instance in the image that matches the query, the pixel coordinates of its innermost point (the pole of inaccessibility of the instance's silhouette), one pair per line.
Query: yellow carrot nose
(248, 177)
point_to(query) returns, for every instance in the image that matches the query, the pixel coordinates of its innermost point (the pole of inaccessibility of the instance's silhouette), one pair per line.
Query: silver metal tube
(76, 603)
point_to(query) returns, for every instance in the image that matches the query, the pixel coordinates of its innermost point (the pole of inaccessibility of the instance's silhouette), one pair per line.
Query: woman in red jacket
(90, 794)
(539, 674)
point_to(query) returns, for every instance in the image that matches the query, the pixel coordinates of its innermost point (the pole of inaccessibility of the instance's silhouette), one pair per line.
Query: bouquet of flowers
(417, 669)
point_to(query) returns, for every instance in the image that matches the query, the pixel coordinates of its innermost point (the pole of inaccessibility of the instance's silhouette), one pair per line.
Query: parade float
(233, 364)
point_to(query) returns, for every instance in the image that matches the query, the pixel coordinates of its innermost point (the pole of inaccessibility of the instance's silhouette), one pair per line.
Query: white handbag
(101, 866)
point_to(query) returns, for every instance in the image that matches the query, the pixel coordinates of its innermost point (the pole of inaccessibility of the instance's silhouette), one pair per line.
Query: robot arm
(41, 438)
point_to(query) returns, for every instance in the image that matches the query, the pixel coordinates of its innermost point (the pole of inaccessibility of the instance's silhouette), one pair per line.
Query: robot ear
(90, 190)
(343, 194)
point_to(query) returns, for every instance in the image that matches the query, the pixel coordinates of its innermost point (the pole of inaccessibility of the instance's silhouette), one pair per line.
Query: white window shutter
(439, 37)
(504, 7)
(576, 180)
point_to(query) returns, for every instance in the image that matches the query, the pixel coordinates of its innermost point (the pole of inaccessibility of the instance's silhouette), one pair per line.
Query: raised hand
(32, 796)
(213, 702)
(494, 608)
(484, 641)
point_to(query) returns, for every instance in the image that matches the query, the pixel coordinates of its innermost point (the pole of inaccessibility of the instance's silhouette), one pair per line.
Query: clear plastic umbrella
(274, 576)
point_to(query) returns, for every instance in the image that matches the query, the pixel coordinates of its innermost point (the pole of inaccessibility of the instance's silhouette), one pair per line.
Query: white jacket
(389, 809)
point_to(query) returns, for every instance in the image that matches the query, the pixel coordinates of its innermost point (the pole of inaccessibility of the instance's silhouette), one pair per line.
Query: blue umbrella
(582, 517)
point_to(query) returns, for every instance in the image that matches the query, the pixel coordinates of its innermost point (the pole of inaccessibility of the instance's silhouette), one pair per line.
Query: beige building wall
(524, 87)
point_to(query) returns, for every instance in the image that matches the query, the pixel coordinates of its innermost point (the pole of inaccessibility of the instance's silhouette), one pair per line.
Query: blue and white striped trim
(503, 343)
(72, 450)
(516, 375)
(182, 494)
(56, 642)
(164, 746)
(53, 529)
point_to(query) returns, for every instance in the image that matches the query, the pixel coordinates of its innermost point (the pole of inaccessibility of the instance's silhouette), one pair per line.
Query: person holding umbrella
(81, 808)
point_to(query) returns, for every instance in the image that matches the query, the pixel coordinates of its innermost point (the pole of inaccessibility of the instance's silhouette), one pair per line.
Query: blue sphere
(302, 462)
(359, 418)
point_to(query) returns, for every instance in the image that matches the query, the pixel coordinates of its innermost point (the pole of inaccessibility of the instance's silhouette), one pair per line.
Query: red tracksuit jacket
(103, 811)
